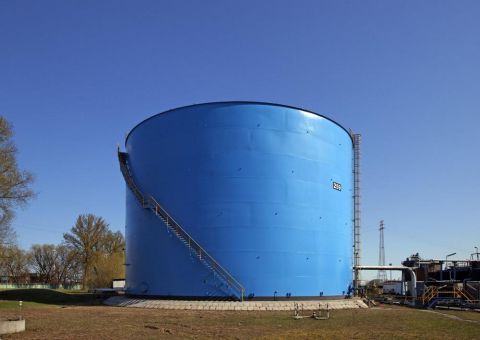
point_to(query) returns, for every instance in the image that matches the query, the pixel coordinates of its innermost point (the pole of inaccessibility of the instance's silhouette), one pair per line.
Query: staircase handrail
(429, 294)
(463, 292)
(128, 178)
(203, 255)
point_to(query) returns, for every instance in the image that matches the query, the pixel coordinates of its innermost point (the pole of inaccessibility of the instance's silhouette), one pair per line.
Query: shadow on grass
(49, 296)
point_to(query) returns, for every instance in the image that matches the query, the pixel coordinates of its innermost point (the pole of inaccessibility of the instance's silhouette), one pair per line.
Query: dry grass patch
(101, 322)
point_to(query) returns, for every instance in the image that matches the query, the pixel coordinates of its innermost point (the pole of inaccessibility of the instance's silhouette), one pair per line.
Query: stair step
(147, 203)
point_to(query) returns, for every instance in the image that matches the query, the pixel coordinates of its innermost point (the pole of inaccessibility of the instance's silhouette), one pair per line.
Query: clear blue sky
(76, 75)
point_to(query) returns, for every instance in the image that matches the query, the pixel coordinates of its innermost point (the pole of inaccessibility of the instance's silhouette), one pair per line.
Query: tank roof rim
(238, 102)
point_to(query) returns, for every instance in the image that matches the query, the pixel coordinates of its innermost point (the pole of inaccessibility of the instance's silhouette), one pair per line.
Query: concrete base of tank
(234, 298)
(124, 301)
(8, 326)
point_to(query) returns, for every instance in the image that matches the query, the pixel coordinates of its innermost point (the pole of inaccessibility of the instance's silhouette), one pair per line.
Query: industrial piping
(413, 277)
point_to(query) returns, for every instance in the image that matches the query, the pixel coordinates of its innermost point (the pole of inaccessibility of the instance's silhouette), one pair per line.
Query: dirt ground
(90, 320)
(99, 322)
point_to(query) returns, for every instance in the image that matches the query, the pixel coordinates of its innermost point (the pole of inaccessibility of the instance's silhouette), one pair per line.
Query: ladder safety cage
(357, 207)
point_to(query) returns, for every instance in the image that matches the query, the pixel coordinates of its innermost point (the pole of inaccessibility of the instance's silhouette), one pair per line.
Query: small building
(394, 287)
(118, 283)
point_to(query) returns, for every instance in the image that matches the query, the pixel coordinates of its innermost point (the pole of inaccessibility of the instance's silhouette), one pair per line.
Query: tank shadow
(48, 296)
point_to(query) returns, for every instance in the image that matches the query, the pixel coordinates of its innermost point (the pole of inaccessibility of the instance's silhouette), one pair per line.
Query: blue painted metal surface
(434, 301)
(252, 183)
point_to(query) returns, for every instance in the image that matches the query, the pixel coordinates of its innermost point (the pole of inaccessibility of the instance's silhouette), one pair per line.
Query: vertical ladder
(357, 212)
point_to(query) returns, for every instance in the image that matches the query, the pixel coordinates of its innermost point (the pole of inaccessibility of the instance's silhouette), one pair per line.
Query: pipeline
(413, 277)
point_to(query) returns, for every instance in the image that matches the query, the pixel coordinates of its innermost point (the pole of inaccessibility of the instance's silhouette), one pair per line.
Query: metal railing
(428, 294)
(126, 174)
(463, 292)
(449, 291)
(149, 202)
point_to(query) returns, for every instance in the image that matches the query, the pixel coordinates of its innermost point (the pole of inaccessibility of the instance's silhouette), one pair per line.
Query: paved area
(122, 301)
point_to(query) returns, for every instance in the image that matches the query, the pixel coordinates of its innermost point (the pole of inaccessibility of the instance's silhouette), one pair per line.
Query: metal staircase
(433, 294)
(148, 202)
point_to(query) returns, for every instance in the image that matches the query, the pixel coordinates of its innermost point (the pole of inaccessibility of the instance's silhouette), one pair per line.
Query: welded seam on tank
(315, 254)
(253, 225)
(256, 253)
(337, 147)
(146, 232)
(256, 227)
(277, 252)
(245, 152)
(280, 203)
(249, 152)
(250, 202)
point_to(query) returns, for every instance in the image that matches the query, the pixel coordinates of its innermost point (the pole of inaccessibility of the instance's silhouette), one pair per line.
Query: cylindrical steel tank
(266, 189)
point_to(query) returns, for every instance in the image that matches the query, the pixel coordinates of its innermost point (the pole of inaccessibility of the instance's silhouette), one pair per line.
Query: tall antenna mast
(357, 210)
(382, 274)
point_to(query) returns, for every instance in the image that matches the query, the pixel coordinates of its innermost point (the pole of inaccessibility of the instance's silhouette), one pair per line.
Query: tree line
(90, 254)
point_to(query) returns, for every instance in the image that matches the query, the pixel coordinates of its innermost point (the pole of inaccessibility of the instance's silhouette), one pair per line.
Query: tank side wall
(253, 184)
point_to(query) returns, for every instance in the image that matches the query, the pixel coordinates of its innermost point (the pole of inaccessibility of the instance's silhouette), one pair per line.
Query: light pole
(54, 260)
(441, 267)
(390, 272)
(446, 257)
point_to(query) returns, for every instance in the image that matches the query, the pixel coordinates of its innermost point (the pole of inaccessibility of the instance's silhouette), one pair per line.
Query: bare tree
(88, 237)
(114, 242)
(43, 261)
(68, 265)
(15, 263)
(7, 234)
(14, 183)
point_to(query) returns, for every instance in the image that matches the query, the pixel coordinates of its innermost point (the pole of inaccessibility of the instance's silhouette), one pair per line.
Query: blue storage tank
(266, 189)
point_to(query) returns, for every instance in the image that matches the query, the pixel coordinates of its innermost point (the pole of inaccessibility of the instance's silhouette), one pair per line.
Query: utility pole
(382, 274)
(54, 261)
